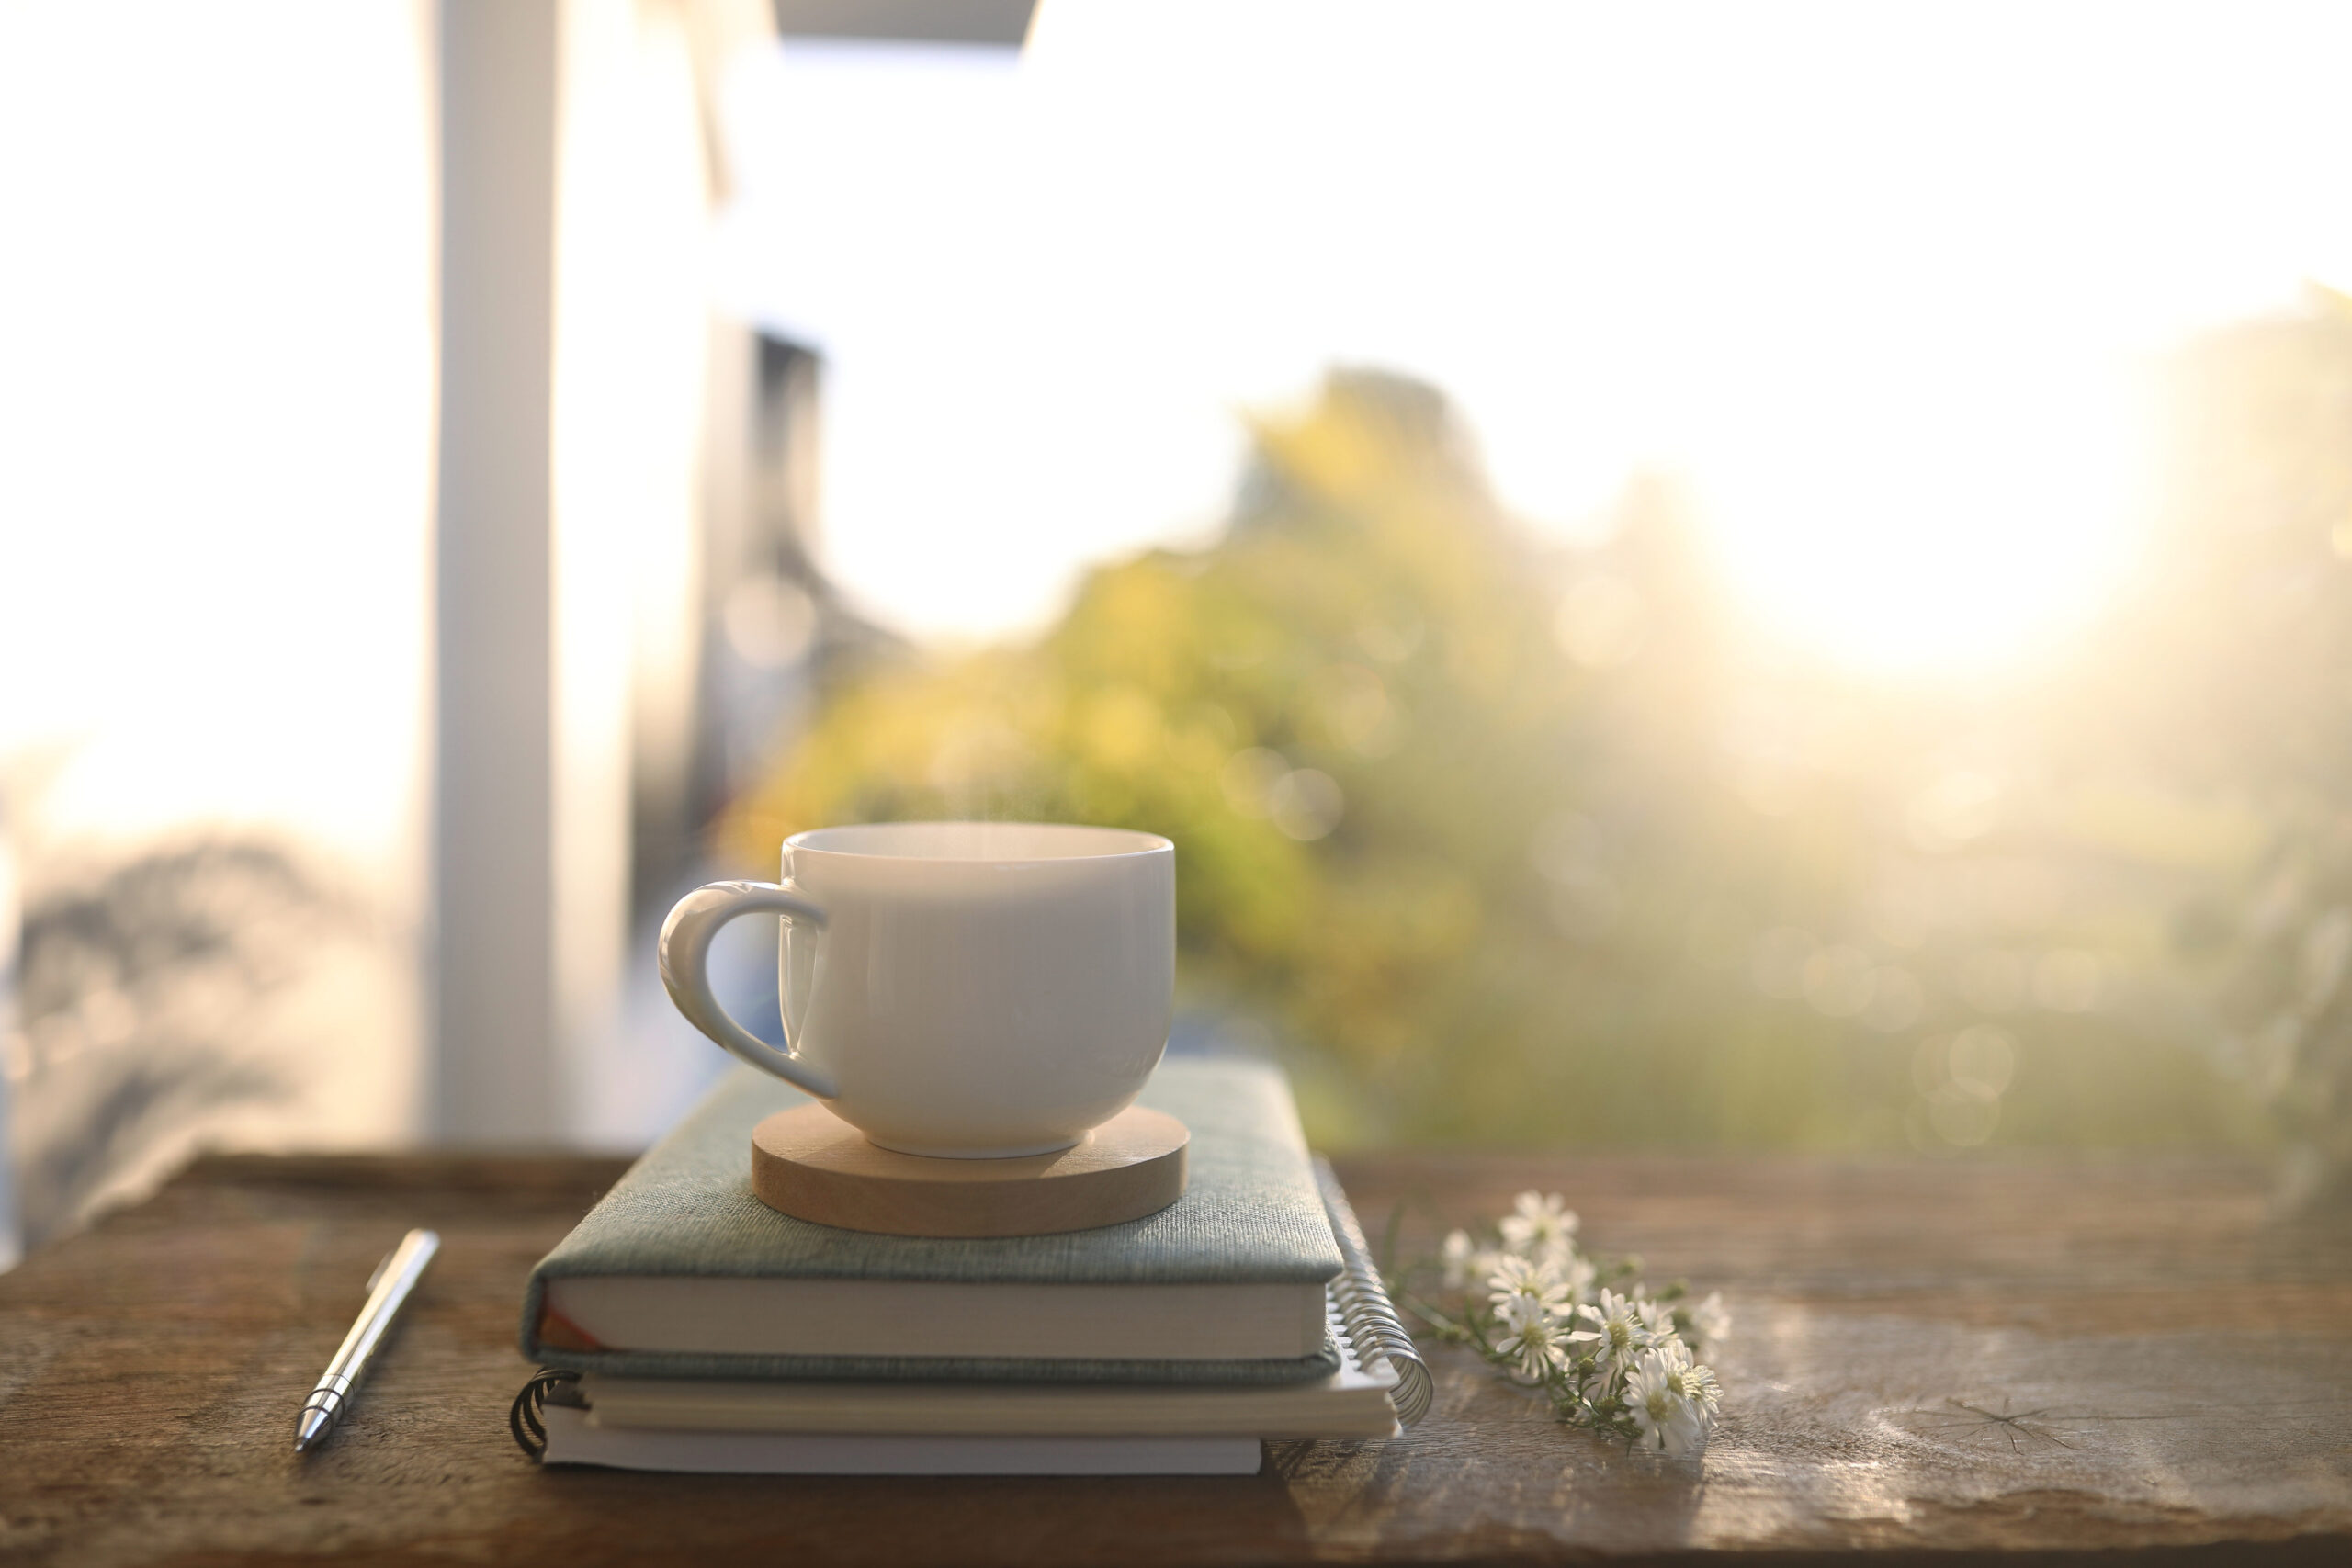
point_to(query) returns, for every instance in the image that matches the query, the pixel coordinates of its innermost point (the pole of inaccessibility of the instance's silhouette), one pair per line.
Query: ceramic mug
(964, 990)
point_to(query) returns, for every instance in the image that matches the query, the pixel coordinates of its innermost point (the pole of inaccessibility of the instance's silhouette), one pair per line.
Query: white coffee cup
(970, 990)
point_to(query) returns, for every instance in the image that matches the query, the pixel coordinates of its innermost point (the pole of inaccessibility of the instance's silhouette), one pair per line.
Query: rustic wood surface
(809, 1162)
(1993, 1360)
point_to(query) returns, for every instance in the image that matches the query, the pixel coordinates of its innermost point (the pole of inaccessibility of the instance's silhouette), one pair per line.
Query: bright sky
(216, 415)
(1876, 279)
(1881, 282)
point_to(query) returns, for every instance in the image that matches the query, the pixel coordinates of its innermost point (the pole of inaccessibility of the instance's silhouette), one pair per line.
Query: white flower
(1577, 1274)
(1625, 1329)
(1655, 1316)
(1533, 1337)
(1541, 1225)
(1710, 1322)
(1668, 1421)
(1688, 1378)
(1465, 1260)
(1516, 1280)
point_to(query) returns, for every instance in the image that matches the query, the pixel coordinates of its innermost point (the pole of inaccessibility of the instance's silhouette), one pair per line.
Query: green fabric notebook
(681, 1272)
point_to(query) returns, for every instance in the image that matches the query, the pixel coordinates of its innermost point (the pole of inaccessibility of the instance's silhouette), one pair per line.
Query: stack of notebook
(688, 1326)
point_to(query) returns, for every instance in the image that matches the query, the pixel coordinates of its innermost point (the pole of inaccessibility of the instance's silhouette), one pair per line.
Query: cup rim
(807, 841)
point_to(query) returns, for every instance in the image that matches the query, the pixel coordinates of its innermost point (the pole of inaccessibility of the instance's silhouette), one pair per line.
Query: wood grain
(1943, 1363)
(809, 1163)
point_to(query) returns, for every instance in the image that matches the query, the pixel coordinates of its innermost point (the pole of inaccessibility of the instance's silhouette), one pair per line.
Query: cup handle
(685, 972)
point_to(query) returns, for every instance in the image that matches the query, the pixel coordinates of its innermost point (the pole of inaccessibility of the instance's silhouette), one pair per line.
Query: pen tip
(313, 1432)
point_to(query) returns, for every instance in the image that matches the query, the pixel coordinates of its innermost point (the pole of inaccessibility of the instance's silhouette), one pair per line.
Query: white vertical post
(493, 885)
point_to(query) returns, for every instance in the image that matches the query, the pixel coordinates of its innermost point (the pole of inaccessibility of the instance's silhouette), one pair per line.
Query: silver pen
(389, 1287)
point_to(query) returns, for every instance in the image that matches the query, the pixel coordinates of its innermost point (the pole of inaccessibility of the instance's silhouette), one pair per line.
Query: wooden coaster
(808, 1163)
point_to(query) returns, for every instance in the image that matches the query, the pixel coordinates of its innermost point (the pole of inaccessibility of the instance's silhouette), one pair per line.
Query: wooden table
(2046, 1359)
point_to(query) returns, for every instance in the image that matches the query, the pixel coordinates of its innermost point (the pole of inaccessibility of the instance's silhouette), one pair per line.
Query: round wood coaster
(808, 1163)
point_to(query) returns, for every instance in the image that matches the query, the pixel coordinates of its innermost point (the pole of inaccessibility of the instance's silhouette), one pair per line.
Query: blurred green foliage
(2245, 619)
(1508, 844)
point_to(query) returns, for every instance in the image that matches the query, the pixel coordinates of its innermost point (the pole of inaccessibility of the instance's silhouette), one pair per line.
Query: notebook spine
(1372, 1319)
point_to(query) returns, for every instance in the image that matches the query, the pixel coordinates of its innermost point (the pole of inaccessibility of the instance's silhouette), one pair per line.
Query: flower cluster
(1609, 1356)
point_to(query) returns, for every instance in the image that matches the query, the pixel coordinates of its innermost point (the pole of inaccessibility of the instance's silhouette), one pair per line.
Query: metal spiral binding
(523, 1417)
(1364, 1303)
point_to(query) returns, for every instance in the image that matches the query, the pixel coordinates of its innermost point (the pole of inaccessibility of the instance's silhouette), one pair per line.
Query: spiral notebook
(920, 1428)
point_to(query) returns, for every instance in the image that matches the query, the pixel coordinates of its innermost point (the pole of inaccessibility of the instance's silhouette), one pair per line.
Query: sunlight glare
(1885, 286)
(1902, 523)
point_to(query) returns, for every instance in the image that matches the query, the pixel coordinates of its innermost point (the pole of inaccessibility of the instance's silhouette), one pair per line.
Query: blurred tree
(2244, 621)
(147, 993)
(1348, 716)
(1508, 844)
